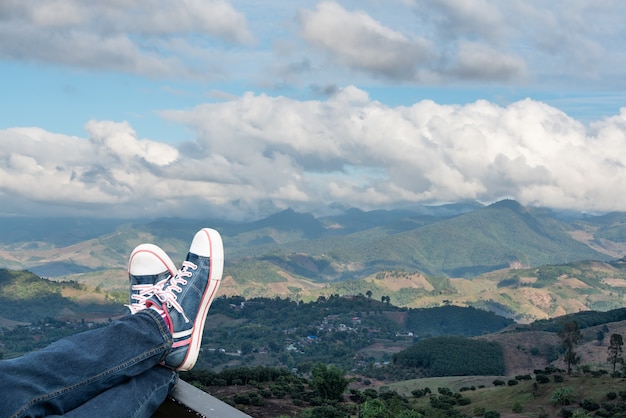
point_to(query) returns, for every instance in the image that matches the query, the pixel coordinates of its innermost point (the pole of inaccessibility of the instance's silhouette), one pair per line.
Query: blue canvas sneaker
(149, 268)
(185, 299)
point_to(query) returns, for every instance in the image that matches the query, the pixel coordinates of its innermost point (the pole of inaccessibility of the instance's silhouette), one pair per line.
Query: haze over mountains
(293, 253)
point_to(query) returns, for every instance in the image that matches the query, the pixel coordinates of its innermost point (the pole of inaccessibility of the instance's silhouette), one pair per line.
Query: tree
(570, 336)
(246, 347)
(328, 381)
(374, 408)
(615, 350)
(368, 294)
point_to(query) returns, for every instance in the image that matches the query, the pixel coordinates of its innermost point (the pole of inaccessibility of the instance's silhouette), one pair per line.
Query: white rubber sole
(216, 268)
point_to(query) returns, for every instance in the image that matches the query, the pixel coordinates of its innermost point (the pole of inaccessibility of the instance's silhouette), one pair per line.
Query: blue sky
(239, 109)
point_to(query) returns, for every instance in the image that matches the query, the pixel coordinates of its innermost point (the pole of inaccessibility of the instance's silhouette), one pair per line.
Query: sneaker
(149, 268)
(185, 299)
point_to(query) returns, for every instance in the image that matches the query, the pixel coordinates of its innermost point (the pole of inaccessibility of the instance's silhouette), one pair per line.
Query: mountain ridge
(435, 249)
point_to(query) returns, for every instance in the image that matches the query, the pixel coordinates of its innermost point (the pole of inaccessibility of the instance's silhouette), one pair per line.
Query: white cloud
(119, 140)
(359, 41)
(120, 36)
(465, 18)
(258, 153)
(479, 62)
(289, 44)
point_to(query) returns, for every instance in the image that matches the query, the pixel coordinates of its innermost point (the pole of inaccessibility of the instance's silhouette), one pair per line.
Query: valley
(353, 291)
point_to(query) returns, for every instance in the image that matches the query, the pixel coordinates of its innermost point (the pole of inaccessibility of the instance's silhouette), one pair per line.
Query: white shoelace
(167, 296)
(144, 292)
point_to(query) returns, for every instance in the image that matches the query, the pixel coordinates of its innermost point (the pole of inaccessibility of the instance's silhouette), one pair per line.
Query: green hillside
(484, 240)
(359, 333)
(25, 297)
(467, 245)
(525, 263)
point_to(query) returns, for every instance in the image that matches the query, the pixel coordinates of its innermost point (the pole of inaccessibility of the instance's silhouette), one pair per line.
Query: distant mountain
(291, 253)
(486, 239)
(56, 231)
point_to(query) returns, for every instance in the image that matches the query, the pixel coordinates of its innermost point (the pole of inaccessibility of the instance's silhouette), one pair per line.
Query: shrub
(557, 378)
(278, 391)
(498, 382)
(479, 411)
(418, 393)
(590, 405)
(517, 407)
(241, 399)
(563, 396)
(512, 382)
(370, 393)
(491, 414)
(612, 395)
(542, 378)
(258, 401)
(463, 401)
(445, 391)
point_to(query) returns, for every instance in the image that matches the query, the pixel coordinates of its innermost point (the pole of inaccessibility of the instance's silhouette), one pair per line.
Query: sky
(239, 109)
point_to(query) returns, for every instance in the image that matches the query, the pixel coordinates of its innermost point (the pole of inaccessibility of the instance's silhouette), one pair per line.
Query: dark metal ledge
(188, 401)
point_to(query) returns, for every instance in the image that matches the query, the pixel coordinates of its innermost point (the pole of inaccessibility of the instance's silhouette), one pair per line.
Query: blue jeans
(112, 371)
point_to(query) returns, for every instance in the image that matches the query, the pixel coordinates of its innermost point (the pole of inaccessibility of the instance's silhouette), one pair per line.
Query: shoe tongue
(142, 281)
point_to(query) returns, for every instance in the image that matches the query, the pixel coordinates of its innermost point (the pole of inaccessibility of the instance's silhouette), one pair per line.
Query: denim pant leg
(71, 371)
(138, 397)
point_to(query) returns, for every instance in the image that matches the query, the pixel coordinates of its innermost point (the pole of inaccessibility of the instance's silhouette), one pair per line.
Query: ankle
(163, 313)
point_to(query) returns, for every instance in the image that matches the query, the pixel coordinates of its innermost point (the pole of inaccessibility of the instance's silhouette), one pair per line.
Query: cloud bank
(155, 38)
(256, 154)
(314, 138)
(430, 42)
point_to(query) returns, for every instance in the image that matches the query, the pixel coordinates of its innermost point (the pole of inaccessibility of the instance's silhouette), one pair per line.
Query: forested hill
(522, 262)
(462, 240)
(26, 297)
(236, 322)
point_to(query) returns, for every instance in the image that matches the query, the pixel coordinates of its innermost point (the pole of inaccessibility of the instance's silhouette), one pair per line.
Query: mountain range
(420, 256)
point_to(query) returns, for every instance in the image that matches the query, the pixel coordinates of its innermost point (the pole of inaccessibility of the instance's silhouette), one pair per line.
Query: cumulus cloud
(284, 44)
(466, 45)
(119, 141)
(479, 62)
(147, 37)
(468, 40)
(257, 154)
(359, 41)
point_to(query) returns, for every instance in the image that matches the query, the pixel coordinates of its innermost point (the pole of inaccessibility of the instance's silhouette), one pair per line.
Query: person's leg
(74, 370)
(69, 372)
(185, 300)
(192, 289)
(149, 269)
(138, 397)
